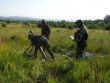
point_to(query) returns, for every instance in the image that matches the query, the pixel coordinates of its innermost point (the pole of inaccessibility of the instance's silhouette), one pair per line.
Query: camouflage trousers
(80, 49)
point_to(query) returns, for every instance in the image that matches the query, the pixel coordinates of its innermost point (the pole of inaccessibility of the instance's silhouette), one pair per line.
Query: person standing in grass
(45, 29)
(81, 36)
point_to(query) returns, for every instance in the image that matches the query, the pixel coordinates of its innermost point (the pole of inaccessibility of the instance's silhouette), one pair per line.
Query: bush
(92, 26)
(4, 25)
(107, 27)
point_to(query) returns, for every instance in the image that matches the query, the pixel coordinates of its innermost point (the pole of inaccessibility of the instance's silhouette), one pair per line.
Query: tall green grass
(16, 69)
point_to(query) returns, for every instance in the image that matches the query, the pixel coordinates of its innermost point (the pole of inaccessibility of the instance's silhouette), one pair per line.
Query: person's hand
(72, 37)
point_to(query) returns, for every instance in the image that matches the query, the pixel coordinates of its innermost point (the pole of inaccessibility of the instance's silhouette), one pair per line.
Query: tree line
(91, 24)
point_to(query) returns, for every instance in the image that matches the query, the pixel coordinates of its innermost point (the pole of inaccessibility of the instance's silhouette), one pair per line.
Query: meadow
(66, 69)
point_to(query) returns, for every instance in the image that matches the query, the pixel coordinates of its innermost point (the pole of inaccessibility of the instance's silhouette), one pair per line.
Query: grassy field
(16, 69)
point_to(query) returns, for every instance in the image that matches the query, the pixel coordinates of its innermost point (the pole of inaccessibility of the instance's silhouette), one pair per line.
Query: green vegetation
(16, 69)
(103, 24)
(3, 24)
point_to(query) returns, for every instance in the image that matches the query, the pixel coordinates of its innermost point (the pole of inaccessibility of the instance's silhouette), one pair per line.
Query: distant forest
(91, 24)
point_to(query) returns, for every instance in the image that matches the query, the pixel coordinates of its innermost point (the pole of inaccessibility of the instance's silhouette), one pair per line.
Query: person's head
(43, 22)
(79, 23)
(30, 35)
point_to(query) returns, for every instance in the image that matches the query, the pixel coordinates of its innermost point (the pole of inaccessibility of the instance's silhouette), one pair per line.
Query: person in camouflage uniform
(80, 37)
(38, 41)
(45, 29)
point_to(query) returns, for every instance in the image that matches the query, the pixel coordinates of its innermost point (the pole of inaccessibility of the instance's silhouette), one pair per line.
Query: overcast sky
(56, 9)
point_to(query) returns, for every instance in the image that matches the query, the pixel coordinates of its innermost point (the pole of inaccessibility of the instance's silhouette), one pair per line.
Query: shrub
(107, 27)
(4, 25)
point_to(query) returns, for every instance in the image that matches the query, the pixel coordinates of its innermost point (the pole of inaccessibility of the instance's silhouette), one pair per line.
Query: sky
(56, 9)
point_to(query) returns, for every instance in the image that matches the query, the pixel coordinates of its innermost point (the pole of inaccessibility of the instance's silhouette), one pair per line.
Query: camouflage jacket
(45, 30)
(81, 35)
